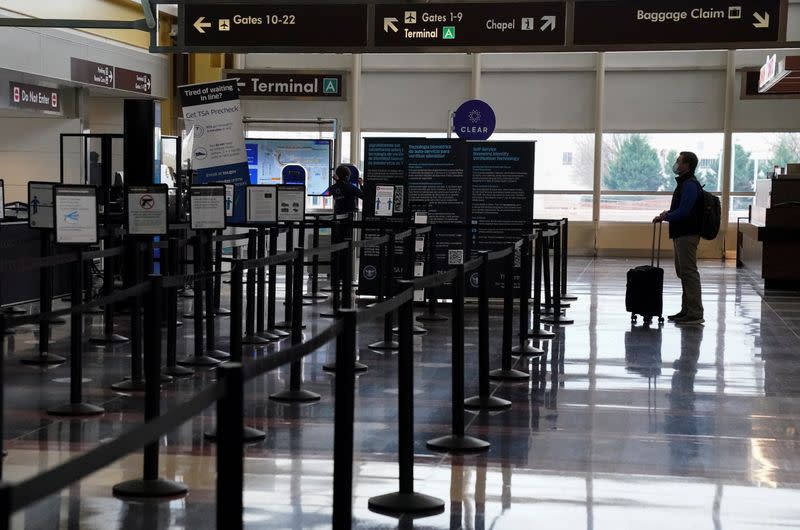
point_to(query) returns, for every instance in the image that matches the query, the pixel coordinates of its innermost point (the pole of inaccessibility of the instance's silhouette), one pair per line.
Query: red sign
(34, 97)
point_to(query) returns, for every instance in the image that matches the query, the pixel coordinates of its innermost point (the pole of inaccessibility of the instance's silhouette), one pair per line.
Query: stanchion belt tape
(424, 230)
(277, 259)
(56, 479)
(24, 264)
(136, 290)
(374, 242)
(500, 254)
(387, 306)
(473, 264)
(295, 353)
(549, 233)
(434, 280)
(326, 250)
(180, 281)
(107, 253)
(15, 242)
(229, 237)
(165, 244)
(402, 235)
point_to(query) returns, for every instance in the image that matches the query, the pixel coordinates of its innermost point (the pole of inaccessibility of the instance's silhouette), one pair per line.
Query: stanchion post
(537, 332)
(335, 260)
(230, 453)
(347, 276)
(343, 421)
(431, 315)
(524, 347)
(250, 336)
(314, 295)
(406, 500)
(289, 281)
(274, 334)
(76, 406)
(261, 281)
(506, 371)
(557, 318)
(108, 337)
(564, 260)
(484, 400)
(199, 358)
(172, 315)
(211, 332)
(136, 381)
(218, 310)
(387, 287)
(457, 441)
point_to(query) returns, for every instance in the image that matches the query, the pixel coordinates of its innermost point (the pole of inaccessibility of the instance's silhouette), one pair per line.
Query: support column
(475, 85)
(727, 147)
(355, 110)
(599, 107)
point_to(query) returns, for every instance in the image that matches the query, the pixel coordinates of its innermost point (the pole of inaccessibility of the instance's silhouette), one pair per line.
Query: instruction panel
(147, 210)
(207, 205)
(76, 214)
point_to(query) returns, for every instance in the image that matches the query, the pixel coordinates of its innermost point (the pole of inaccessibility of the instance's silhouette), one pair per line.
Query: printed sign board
(2, 200)
(40, 204)
(207, 204)
(34, 97)
(269, 84)
(147, 210)
(262, 204)
(291, 203)
(75, 214)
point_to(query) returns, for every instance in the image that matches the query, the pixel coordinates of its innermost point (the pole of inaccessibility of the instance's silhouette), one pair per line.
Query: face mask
(675, 168)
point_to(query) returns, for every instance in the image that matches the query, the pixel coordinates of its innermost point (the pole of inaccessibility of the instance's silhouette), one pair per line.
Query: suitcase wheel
(633, 318)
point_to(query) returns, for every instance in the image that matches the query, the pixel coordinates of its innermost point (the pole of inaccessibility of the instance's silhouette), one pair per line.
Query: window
(566, 158)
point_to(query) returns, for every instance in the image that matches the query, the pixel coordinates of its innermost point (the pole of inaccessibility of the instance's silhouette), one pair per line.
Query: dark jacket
(689, 225)
(344, 197)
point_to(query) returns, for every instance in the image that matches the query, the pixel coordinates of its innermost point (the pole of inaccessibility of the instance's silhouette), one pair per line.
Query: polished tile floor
(617, 427)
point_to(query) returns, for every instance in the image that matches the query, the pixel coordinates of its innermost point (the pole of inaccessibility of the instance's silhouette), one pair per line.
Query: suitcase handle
(656, 257)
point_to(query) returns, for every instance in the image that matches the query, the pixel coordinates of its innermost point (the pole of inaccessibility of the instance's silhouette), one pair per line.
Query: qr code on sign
(455, 257)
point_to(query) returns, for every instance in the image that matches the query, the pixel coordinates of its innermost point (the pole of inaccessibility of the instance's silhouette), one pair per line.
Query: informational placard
(384, 199)
(40, 204)
(2, 200)
(475, 24)
(147, 209)
(609, 22)
(291, 203)
(207, 207)
(501, 177)
(132, 80)
(262, 204)
(213, 112)
(75, 214)
(273, 84)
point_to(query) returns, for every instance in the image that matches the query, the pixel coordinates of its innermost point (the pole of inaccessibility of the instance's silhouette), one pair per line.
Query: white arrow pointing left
(549, 22)
(761, 22)
(388, 23)
(199, 24)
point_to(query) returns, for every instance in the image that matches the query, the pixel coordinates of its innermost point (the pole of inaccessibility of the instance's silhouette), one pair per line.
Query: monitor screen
(266, 159)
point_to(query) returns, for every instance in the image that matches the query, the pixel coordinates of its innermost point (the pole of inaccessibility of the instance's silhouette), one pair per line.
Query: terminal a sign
(459, 25)
(34, 97)
(250, 26)
(270, 84)
(676, 21)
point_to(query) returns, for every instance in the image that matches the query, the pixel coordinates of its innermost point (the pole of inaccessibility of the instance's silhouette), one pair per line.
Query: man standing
(684, 217)
(344, 192)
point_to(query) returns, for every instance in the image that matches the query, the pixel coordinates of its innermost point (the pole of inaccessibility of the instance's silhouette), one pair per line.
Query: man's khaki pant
(686, 269)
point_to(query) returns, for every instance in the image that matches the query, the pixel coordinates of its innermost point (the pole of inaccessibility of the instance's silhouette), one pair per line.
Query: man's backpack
(711, 216)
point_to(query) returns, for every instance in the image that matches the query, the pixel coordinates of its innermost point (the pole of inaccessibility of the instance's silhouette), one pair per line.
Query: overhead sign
(75, 214)
(214, 113)
(252, 25)
(40, 204)
(768, 70)
(91, 73)
(676, 21)
(34, 97)
(262, 204)
(287, 85)
(474, 120)
(147, 210)
(207, 206)
(469, 24)
(291, 203)
(132, 80)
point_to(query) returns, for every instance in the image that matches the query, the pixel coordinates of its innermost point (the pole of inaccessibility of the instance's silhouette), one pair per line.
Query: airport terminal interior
(383, 264)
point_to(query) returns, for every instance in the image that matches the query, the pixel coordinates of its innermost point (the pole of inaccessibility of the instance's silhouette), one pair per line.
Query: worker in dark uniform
(344, 192)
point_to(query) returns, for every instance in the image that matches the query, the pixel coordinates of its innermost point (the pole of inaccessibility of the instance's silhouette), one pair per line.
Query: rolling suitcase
(645, 288)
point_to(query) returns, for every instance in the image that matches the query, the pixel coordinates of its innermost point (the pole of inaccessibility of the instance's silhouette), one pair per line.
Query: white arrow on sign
(199, 24)
(388, 23)
(549, 22)
(761, 22)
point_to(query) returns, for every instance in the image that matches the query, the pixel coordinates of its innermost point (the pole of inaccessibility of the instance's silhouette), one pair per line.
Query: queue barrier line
(387, 306)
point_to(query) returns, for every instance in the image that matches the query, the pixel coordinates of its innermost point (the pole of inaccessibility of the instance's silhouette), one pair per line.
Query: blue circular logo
(474, 280)
(474, 120)
(370, 272)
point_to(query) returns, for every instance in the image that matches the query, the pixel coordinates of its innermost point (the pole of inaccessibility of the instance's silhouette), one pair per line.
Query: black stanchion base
(218, 354)
(541, 334)
(186, 293)
(249, 435)
(295, 396)
(549, 310)
(150, 489)
(569, 297)
(326, 289)
(416, 330)
(458, 444)
(269, 336)
(358, 367)
(327, 315)
(202, 360)
(129, 385)
(222, 312)
(43, 359)
(178, 371)
(406, 503)
(285, 325)
(279, 333)
(428, 317)
(557, 322)
(13, 311)
(254, 339)
(526, 349)
(76, 409)
(508, 375)
(315, 296)
(58, 321)
(489, 403)
(166, 378)
(385, 345)
(190, 316)
(109, 339)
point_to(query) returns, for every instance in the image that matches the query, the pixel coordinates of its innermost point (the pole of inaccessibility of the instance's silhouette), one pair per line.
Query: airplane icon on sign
(411, 17)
